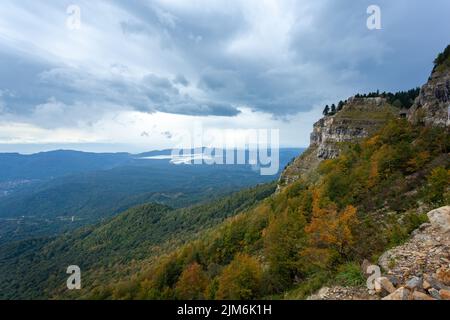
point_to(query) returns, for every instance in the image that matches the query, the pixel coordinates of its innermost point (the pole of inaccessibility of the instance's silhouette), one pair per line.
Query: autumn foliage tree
(329, 232)
(241, 279)
(192, 283)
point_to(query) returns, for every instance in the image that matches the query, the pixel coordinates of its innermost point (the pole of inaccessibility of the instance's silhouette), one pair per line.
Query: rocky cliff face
(361, 116)
(357, 120)
(432, 105)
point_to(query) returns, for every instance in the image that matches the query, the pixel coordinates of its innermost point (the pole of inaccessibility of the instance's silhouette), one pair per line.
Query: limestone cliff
(358, 119)
(432, 105)
(361, 116)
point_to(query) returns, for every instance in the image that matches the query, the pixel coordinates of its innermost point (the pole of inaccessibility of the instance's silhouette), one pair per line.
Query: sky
(135, 75)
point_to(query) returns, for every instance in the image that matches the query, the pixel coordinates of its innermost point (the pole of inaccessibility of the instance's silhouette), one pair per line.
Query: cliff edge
(432, 105)
(358, 118)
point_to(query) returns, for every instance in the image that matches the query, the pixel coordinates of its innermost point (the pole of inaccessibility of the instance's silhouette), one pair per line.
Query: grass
(349, 275)
(381, 113)
(309, 286)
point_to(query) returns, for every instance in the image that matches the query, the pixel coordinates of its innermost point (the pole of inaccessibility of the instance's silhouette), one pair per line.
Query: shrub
(349, 274)
(241, 279)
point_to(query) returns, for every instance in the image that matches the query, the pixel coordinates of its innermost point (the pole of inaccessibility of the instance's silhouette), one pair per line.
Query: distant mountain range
(51, 192)
(52, 164)
(45, 165)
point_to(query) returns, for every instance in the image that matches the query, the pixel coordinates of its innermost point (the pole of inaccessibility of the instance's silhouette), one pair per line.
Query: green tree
(438, 185)
(443, 57)
(284, 239)
(398, 104)
(333, 108)
(241, 279)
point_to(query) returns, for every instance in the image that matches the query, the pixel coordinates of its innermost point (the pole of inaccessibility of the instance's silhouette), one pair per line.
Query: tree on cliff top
(442, 61)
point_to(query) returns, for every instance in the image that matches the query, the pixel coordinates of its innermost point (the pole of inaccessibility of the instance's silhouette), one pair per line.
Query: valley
(46, 207)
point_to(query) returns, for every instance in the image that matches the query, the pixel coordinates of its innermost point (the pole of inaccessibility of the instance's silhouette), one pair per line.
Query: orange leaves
(329, 230)
(345, 221)
(192, 283)
(373, 141)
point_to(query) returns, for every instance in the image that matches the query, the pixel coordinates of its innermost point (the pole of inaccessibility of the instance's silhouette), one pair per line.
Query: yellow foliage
(373, 141)
(241, 279)
(192, 283)
(329, 230)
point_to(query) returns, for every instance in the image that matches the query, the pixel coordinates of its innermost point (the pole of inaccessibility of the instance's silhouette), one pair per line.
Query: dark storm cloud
(68, 88)
(180, 79)
(332, 56)
(280, 57)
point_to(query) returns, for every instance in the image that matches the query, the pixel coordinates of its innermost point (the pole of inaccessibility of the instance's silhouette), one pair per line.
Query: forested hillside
(353, 205)
(36, 268)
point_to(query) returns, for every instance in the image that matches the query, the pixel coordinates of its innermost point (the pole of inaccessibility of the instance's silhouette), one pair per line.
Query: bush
(241, 279)
(349, 274)
(438, 184)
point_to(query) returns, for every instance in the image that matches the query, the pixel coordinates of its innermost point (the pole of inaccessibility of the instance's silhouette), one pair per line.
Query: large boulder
(383, 283)
(445, 294)
(399, 294)
(435, 283)
(414, 283)
(440, 218)
(443, 275)
(417, 295)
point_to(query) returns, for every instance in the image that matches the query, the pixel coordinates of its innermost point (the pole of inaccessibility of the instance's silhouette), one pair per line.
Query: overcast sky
(138, 73)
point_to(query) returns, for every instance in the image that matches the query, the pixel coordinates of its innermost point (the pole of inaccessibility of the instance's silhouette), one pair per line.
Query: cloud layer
(206, 58)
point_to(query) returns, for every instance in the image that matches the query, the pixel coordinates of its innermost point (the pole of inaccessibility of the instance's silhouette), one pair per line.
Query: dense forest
(35, 268)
